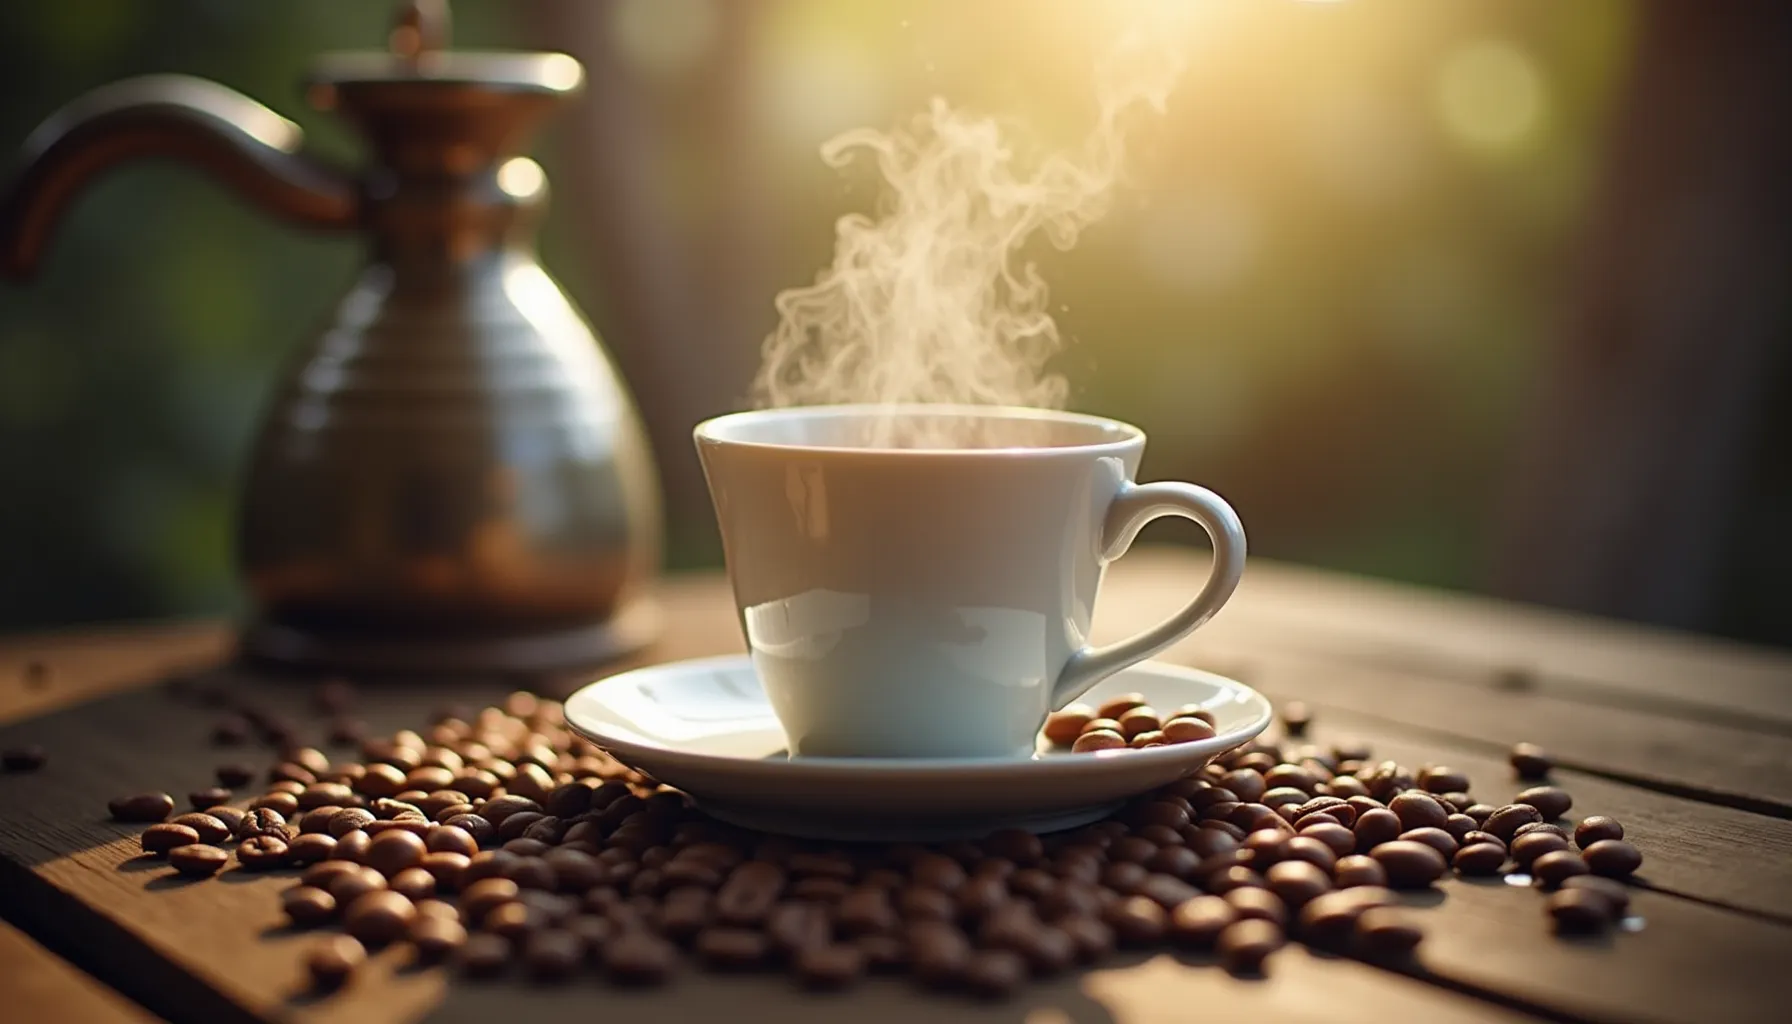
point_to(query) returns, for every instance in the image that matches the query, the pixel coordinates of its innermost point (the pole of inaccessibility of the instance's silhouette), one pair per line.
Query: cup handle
(1135, 506)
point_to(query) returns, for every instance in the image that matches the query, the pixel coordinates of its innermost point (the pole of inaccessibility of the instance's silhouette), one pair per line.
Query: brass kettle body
(452, 475)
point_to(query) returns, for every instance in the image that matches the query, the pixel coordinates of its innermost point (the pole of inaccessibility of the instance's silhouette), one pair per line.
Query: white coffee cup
(934, 601)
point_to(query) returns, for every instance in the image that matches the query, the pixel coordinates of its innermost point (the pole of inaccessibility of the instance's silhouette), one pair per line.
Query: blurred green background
(1324, 290)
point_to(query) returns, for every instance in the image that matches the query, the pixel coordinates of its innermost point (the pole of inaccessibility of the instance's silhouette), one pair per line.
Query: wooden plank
(1739, 766)
(41, 672)
(226, 934)
(40, 986)
(1478, 640)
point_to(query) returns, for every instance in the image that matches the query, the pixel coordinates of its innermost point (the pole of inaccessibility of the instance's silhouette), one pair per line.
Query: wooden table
(1687, 741)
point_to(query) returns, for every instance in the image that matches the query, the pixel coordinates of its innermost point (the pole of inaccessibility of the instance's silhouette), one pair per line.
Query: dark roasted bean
(1387, 932)
(1296, 882)
(309, 849)
(1612, 858)
(1419, 810)
(1375, 827)
(22, 759)
(1330, 919)
(1596, 828)
(352, 846)
(1199, 921)
(732, 948)
(475, 825)
(1506, 821)
(639, 958)
(308, 906)
(1246, 944)
(1552, 802)
(484, 955)
(1527, 848)
(261, 853)
(1479, 859)
(160, 838)
(1460, 825)
(1540, 826)
(334, 961)
(1531, 761)
(1137, 920)
(200, 799)
(1552, 869)
(553, 954)
(1247, 901)
(1443, 780)
(349, 820)
(993, 973)
(145, 807)
(1436, 838)
(323, 873)
(1579, 911)
(1357, 870)
(1410, 865)
(1614, 892)
(830, 965)
(413, 884)
(351, 886)
(197, 860)
(392, 852)
(1310, 850)
(278, 801)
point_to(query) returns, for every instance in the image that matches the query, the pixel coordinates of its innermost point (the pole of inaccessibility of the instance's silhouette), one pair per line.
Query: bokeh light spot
(1201, 242)
(665, 37)
(1490, 96)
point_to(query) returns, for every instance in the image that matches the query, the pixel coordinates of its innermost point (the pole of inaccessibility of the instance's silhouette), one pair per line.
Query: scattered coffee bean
(435, 936)
(22, 759)
(1188, 730)
(197, 860)
(230, 731)
(1063, 727)
(1296, 717)
(352, 885)
(1479, 860)
(1579, 911)
(1596, 828)
(413, 884)
(1387, 932)
(144, 807)
(1527, 848)
(1612, 858)
(1550, 801)
(484, 955)
(308, 906)
(260, 821)
(1539, 826)
(1099, 739)
(1436, 838)
(200, 799)
(1246, 944)
(352, 846)
(1440, 780)
(1295, 882)
(1506, 821)
(1375, 827)
(1531, 761)
(553, 954)
(639, 958)
(1409, 865)
(393, 851)
(208, 828)
(1118, 705)
(1358, 869)
(1614, 892)
(378, 917)
(1552, 869)
(334, 961)
(1198, 922)
(1137, 920)
(829, 965)
(160, 838)
(261, 853)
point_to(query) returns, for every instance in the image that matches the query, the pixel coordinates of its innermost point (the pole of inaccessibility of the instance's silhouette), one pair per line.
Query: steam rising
(928, 301)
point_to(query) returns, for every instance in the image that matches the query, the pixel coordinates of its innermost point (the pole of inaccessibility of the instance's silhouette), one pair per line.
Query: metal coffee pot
(452, 476)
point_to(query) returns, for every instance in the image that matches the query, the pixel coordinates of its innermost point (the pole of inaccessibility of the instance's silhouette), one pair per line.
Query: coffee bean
(1579, 911)
(1296, 882)
(1291, 776)
(260, 821)
(230, 731)
(1460, 825)
(1296, 716)
(230, 816)
(323, 873)
(334, 961)
(22, 759)
(392, 852)
(1226, 879)
(1418, 810)
(197, 860)
(1443, 780)
(1188, 730)
(1375, 827)
(309, 849)
(1099, 739)
(308, 906)
(1409, 865)
(1612, 858)
(552, 955)
(280, 802)
(261, 853)
(1340, 840)
(1248, 901)
(1478, 860)
(1136, 920)
(1596, 828)
(480, 898)
(1531, 761)
(413, 884)
(639, 958)
(207, 828)
(993, 973)
(483, 955)
(352, 846)
(1310, 850)
(1552, 869)
(200, 799)
(352, 885)
(1246, 944)
(732, 948)
(1198, 922)
(1527, 848)
(1436, 838)
(829, 965)
(938, 952)
(1550, 801)
(1387, 932)
(1063, 727)
(1142, 719)
(1614, 892)
(1358, 869)
(1506, 821)
(161, 838)
(1119, 705)
(379, 917)
(1330, 920)
(144, 807)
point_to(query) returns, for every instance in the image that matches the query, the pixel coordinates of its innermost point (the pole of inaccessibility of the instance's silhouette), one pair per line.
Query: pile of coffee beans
(1126, 721)
(498, 842)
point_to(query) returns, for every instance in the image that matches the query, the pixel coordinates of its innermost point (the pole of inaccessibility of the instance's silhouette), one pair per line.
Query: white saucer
(705, 727)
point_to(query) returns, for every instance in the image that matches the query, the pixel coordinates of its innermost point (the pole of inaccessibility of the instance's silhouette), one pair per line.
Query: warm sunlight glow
(1490, 96)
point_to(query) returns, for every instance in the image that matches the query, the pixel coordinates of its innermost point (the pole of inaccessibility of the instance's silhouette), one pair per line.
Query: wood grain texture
(40, 986)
